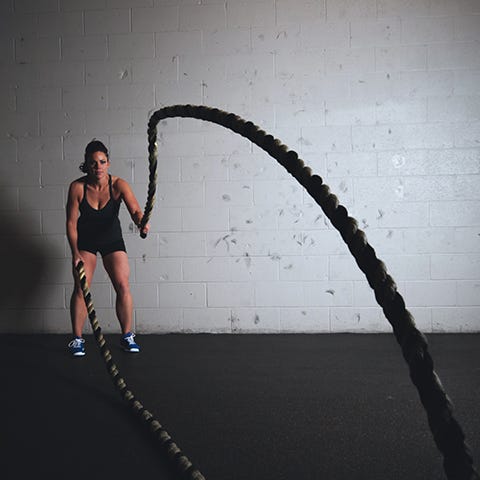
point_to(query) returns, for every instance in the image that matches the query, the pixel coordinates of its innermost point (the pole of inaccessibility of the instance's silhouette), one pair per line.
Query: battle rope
(447, 433)
(181, 462)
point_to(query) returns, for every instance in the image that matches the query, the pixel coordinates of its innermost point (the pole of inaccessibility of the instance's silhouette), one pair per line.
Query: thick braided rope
(183, 465)
(447, 433)
(152, 178)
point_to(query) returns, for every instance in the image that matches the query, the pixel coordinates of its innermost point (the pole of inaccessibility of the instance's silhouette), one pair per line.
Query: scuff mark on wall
(227, 240)
(343, 186)
(234, 321)
(304, 141)
(301, 238)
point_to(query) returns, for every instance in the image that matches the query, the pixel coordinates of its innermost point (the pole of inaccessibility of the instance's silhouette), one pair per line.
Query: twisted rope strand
(183, 465)
(152, 178)
(447, 433)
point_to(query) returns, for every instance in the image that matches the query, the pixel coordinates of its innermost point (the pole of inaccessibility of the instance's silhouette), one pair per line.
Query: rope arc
(447, 433)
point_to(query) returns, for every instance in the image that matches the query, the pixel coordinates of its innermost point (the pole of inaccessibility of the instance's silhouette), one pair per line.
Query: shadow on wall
(24, 262)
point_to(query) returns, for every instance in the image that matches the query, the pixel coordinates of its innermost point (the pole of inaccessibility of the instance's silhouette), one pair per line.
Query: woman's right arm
(73, 210)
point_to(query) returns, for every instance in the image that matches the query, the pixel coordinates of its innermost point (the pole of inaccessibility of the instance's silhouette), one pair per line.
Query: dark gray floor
(242, 407)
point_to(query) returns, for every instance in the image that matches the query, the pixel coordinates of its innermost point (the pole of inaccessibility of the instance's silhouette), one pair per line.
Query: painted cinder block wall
(380, 97)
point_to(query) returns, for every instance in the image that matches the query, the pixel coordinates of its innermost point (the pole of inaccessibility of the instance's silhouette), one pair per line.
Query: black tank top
(102, 226)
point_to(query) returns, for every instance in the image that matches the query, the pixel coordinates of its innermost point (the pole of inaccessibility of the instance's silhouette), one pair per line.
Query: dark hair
(94, 146)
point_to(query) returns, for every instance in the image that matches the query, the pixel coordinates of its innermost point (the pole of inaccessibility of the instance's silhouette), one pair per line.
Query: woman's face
(98, 165)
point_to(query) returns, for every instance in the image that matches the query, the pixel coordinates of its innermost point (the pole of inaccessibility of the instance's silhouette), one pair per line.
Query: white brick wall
(380, 97)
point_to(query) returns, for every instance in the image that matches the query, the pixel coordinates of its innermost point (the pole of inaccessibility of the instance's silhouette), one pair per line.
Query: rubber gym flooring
(241, 407)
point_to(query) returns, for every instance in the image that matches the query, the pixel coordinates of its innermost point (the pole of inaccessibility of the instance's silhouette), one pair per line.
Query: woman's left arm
(133, 207)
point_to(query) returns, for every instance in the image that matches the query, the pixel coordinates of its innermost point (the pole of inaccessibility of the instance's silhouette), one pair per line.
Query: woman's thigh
(118, 268)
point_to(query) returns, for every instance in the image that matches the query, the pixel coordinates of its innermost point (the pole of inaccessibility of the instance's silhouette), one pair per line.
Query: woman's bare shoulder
(119, 183)
(121, 188)
(77, 185)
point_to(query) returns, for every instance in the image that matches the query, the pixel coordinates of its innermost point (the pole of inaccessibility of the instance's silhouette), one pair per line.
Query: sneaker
(128, 343)
(76, 347)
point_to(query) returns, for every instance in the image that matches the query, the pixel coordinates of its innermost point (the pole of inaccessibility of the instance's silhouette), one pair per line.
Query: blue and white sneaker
(128, 343)
(76, 346)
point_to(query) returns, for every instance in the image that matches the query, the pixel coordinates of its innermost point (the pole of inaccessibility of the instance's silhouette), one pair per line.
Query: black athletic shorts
(117, 246)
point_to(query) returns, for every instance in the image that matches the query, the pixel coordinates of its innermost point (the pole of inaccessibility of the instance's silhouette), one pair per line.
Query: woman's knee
(122, 288)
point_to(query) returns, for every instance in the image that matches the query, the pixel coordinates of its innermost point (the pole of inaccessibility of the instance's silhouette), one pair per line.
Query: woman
(93, 225)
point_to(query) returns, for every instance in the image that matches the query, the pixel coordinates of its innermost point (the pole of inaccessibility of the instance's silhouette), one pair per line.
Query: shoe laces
(129, 339)
(76, 342)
